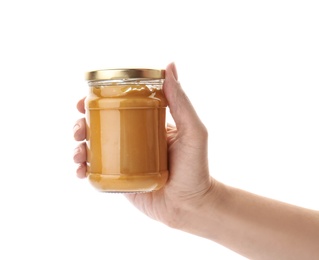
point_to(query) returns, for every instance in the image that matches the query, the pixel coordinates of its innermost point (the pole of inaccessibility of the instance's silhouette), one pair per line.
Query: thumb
(183, 112)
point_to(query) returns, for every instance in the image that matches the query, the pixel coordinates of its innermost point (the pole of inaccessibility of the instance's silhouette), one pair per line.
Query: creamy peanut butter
(126, 136)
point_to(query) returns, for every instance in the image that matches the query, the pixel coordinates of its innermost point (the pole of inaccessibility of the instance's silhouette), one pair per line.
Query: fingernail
(77, 150)
(76, 128)
(174, 70)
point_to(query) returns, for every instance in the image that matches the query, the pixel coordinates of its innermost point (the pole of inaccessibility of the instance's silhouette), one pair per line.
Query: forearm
(254, 226)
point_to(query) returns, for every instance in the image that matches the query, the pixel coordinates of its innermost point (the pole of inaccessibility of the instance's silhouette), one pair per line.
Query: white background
(249, 67)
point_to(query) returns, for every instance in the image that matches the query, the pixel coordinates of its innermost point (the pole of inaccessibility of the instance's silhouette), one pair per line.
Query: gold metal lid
(136, 73)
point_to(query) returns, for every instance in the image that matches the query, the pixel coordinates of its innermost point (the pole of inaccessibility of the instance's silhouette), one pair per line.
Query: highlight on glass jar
(126, 130)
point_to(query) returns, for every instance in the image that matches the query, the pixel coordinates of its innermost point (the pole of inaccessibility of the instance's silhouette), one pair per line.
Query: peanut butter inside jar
(126, 130)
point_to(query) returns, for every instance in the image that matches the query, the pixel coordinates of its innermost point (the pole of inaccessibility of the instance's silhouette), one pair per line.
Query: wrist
(198, 215)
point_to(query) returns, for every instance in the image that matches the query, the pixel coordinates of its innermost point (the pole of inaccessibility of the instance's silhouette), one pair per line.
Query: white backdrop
(249, 67)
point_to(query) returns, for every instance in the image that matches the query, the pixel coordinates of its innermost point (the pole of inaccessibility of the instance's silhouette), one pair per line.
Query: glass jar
(126, 130)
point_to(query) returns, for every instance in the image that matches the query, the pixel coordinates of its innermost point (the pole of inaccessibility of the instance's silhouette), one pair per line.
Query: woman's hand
(189, 179)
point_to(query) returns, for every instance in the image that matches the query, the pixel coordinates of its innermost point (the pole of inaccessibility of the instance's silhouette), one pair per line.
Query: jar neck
(130, 89)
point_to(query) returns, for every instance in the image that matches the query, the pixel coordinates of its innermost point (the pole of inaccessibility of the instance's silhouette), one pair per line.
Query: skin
(193, 201)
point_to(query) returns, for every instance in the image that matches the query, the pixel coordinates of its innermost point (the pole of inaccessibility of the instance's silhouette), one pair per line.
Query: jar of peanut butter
(126, 130)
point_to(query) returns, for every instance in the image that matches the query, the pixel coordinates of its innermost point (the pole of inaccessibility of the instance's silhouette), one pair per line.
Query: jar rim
(125, 73)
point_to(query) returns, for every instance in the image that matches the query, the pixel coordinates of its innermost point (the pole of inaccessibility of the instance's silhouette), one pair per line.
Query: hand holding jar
(187, 155)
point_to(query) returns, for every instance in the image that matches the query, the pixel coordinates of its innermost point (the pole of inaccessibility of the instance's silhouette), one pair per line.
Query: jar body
(126, 135)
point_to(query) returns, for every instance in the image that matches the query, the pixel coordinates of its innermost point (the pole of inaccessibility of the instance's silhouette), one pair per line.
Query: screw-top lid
(113, 74)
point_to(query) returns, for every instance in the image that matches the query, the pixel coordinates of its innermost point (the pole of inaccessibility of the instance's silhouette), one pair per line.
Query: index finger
(80, 105)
